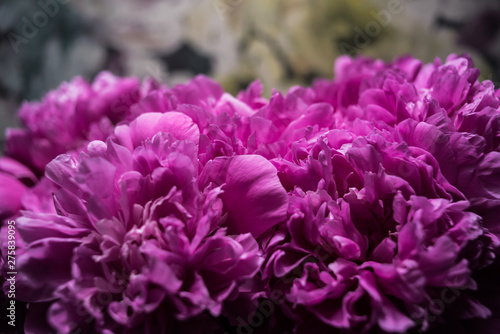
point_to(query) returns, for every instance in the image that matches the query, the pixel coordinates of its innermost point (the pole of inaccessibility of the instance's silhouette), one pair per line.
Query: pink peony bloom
(67, 118)
(135, 237)
(364, 204)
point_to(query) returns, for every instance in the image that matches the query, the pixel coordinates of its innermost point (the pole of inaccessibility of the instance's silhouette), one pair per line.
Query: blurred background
(281, 42)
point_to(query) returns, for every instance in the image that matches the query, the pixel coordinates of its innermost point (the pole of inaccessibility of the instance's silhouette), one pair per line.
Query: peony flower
(362, 204)
(69, 117)
(135, 238)
(388, 210)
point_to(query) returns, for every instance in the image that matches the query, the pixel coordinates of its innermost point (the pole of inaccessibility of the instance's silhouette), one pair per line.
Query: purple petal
(253, 195)
(11, 193)
(148, 125)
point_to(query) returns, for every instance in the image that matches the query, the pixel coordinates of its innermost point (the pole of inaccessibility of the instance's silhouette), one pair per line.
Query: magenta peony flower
(69, 117)
(365, 204)
(136, 238)
(393, 208)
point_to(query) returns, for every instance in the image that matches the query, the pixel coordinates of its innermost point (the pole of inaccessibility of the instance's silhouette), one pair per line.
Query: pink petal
(11, 192)
(147, 125)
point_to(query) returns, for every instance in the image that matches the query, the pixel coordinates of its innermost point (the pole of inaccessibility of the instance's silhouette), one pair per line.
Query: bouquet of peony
(364, 204)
